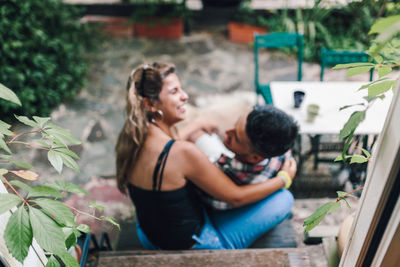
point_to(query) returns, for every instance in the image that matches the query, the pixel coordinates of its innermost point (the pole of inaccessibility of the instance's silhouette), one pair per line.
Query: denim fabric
(240, 227)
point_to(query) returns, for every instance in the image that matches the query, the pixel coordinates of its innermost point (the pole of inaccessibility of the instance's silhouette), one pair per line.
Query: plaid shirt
(242, 174)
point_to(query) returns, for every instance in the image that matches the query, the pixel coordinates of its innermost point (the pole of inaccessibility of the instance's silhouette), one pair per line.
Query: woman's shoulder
(187, 150)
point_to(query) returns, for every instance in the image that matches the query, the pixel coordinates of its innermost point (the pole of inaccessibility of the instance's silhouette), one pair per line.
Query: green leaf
(347, 203)
(52, 262)
(55, 160)
(9, 95)
(384, 71)
(69, 162)
(67, 152)
(348, 106)
(314, 219)
(44, 191)
(3, 171)
(340, 158)
(71, 188)
(8, 201)
(341, 194)
(68, 260)
(380, 88)
(93, 205)
(22, 164)
(5, 130)
(111, 220)
(46, 232)
(70, 237)
(353, 65)
(64, 135)
(21, 185)
(27, 121)
(41, 121)
(18, 234)
(42, 143)
(57, 211)
(358, 70)
(335, 207)
(358, 159)
(355, 119)
(4, 146)
(366, 153)
(84, 228)
(347, 144)
(382, 24)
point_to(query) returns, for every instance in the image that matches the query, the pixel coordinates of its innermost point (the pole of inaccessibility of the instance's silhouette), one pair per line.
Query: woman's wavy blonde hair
(144, 81)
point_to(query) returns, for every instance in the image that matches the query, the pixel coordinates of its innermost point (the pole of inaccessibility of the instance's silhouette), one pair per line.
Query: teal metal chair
(275, 40)
(334, 57)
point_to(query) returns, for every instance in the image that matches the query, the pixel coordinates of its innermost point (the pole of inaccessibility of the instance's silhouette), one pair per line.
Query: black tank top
(168, 218)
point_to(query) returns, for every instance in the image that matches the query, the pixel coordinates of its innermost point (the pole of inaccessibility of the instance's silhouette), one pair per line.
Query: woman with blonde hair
(160, 171)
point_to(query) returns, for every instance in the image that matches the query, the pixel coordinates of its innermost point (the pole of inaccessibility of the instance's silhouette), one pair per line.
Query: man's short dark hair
(271, 131)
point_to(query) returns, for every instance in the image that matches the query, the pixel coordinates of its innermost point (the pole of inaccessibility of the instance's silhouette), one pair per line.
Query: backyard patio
(218, 75)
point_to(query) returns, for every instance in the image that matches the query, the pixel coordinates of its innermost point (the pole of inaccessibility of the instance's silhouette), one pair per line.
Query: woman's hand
(290, 166)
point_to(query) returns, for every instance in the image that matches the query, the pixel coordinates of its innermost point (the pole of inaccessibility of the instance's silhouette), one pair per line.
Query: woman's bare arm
(203, 124)
(198, 169)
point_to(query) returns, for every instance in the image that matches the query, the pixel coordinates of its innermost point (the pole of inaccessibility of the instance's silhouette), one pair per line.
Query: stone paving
(212, 70)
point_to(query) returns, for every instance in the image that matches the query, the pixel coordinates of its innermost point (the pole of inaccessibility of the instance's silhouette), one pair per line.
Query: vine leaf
(9, 95)
(314, 219)
(69, 162)
(355, 119)
(93, 205)
(84, 228)
(27, 175)
(8, 201)
(46, 232)
(22, 164)
(70, 237)
(55, 160)
(41, 121)
(4, 146)
(358, 159)
(357, 70)
(3, 171)
(71, 188)
(111, 220)
(44, 191)
(384, 71)
(18, 234)
(352, 65)
(380, 88)
(68, 260)
(21, 185)
(52, 262)
(25, 120)
(57, 210)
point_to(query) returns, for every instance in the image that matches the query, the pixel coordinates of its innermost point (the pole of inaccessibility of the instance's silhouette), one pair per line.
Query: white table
(330, 96)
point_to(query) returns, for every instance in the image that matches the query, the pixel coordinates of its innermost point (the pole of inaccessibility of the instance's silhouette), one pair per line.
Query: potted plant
(245, 24)
(160, 18)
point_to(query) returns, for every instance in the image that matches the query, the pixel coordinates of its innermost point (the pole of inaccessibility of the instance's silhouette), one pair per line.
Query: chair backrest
(277, 40)
(334, 57)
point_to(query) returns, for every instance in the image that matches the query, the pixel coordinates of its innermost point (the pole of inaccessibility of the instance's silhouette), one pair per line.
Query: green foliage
(40, 54)
(41, 214)
(385, 52)
(166, 9)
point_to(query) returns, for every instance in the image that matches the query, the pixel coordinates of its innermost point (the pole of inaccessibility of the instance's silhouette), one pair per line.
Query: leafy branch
(41, 215)
(385, 55)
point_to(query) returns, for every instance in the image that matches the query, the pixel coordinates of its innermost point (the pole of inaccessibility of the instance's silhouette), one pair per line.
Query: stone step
(281, 236)
(292, 257)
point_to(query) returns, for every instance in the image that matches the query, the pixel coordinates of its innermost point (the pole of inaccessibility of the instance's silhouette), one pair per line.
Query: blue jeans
(240, 227)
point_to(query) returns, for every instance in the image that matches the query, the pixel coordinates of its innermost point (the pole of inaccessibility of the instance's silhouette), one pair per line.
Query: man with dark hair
(253, 151)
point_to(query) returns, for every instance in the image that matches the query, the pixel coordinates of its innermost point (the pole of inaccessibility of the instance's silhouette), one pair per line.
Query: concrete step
(292, 257)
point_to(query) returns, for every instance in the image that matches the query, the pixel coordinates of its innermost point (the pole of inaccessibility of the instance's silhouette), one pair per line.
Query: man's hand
(290, 166)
